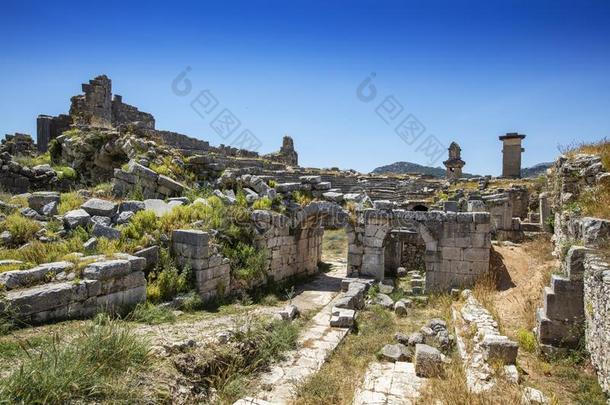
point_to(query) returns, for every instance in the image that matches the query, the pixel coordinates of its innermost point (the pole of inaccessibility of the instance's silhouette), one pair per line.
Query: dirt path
(521, 279)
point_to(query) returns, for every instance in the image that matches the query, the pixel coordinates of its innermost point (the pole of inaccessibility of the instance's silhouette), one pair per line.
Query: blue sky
(468, 71)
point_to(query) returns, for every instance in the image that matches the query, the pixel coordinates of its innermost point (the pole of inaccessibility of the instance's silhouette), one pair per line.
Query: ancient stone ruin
(180, 239)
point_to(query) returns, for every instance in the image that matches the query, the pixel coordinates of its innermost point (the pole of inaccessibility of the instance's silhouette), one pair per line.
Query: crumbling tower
(455, 163)
(289, 155)
(511, 155)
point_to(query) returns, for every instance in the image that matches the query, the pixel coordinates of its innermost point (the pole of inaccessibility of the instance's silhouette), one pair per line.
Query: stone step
(562, 306)
(556, 333)
(531, 227)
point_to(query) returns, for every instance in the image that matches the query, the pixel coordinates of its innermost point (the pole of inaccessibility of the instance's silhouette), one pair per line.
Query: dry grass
(338, 378)
(453, 390)
(600, 148)
(334, 244)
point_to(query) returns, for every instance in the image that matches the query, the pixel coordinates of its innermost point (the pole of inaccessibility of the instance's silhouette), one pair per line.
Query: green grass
(167, 281)
(22, 229)
(527, 340)
(31, 161)
(99, 363)
(69, 201)
(151, 314)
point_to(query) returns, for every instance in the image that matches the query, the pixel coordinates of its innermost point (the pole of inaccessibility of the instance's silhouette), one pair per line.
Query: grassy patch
(167, 281)
(22, 229)
(151, 314)
(69, 201)
(97, 364)
(334, 244)
(31, 161)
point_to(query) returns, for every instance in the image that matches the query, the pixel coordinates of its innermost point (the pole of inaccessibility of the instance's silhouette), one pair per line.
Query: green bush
(167, 282)
(69, 201)
(264, 203)
(88, 368)
(65, 172)
(22, 229)
(55, 151)
(527, 340)
(142, 223)
(247, 263)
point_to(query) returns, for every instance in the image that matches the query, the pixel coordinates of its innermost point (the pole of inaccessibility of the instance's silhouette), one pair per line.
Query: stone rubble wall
(16, 178)
(488, 346)
(54, 291)
(140, 178)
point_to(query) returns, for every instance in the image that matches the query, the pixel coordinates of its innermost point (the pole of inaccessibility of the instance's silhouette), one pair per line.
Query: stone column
(43, 132)
(511, 155)
(545, 213)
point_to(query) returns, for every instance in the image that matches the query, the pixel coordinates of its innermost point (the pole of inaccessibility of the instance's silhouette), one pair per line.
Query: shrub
(31, 161)
(22, 229)
(142, 223)
(65, 172)
(192, 302)
(69, 201)
(527, 340)
(247, 263)
(55, 150)
(90, 366)
(167, 282)
(151, 314)
(264, 203)
(302, 197)
(37, 252)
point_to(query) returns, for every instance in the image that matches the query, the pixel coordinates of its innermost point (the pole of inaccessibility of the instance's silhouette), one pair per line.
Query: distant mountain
(536, 170)
(414, 168)
(411, 168)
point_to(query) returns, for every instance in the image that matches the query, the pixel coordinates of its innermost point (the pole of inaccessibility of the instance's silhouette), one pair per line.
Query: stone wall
(457, 244)
(138, 178)
(56, 291)
(127, 114)
(16, 178)
(597, 309)
(212, 271)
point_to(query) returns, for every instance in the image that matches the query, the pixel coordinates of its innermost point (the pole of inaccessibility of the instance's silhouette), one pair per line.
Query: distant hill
(536, 170)
(408, 167)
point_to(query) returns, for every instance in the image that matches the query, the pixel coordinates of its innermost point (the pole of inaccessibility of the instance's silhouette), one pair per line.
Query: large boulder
(39, 199)
(396, 352)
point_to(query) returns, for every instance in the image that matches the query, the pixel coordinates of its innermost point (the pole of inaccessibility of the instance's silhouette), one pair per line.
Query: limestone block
(75, 218)
(39, 199)
(103, 231)
(476, 254)
(22, 278)
(97, 206)
(396, 352)
(342, 318)
(428, 361)
(500, 348)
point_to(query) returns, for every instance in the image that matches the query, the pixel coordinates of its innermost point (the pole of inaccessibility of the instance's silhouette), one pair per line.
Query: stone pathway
(389, 383)
(316, 342)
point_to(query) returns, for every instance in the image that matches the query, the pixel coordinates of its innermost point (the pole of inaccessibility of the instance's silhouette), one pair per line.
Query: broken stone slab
(75, 218)
(150, 254)
(532, 396)
(107, 269)
(383, 300)
(171, 184)
(437, 325)
(310, 179)
(500, 348)
(289, 312)
(287, 187)
(124, 217)
(342, 318)
(50, 209)
(39, 199)
(23, 278)
(415, 338)
(383, 205)
(90, 244)
(333, 196)
(400, 308)
(103, 231)
(132, 206)
(99, 207)
(396, 352)
(97, 219)
(159, 207)
(428, 361)
(346, 282)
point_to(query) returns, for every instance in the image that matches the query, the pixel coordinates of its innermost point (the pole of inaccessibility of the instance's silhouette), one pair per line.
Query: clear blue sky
(469, 71)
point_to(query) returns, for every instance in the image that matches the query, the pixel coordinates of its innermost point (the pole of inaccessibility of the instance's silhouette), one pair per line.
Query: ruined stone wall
(597, 309)
(127, 114)
(457, 244)
(136, 178)
(182, 142)
(54, 291)
(212, 271)
(293, 249)
(49, 128)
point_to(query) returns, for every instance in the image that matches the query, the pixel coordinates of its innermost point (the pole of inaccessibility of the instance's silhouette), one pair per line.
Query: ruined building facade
(96, 108)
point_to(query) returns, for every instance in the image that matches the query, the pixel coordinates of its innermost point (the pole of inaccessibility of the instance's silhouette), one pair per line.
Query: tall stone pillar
(545, 212)
(455, 163)
(511, 155)
(43, 132)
